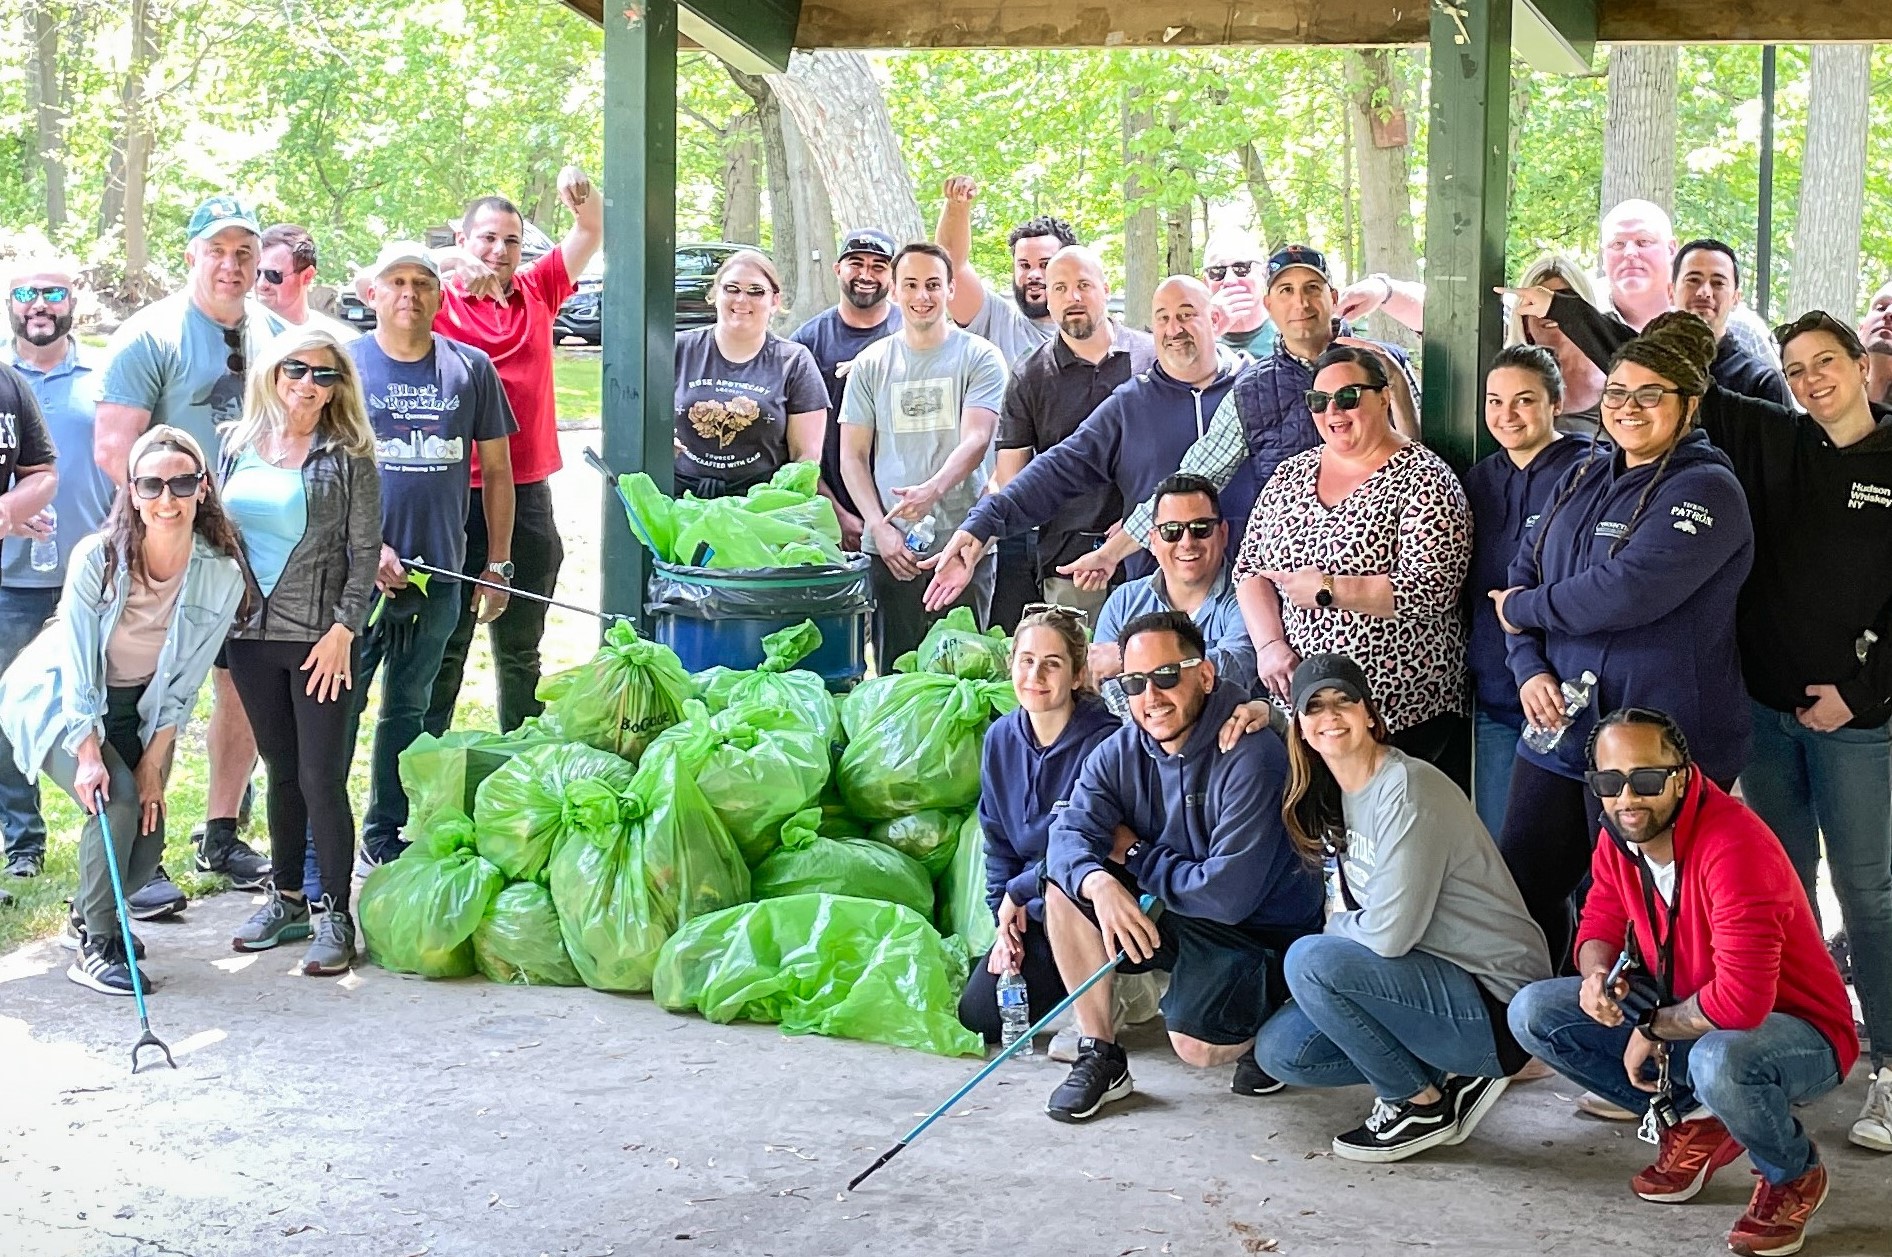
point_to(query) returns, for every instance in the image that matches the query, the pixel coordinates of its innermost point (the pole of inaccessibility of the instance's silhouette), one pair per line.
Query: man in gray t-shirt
(1022, 322)
(917, 420)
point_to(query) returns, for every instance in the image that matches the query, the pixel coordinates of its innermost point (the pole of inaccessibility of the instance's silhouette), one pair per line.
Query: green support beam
(1467, 175)
(1555, 36)
(638, 322)
(754, 36)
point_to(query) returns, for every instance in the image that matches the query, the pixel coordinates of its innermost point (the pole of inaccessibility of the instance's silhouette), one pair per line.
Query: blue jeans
(23, 612)
(1750, 1079)
(1400, 1023)
(408, 654)
(1836, 785)
(1494, 746)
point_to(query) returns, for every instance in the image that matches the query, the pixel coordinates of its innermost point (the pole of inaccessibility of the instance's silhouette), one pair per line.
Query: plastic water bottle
(44, 555)
(1576, 698)
(919, 538)
(1014, 1011)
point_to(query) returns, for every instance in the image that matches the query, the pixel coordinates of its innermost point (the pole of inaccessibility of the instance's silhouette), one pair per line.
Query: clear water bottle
(45, 553)
(1576, 699)
(919, 538)
(1014, 1011)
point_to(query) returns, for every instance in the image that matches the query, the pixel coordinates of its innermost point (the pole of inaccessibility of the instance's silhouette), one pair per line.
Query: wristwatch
(1325, 597)
(1645, 1025)
(502, 570)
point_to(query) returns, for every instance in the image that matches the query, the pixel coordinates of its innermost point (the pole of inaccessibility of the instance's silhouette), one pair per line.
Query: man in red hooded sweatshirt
(1706, 993)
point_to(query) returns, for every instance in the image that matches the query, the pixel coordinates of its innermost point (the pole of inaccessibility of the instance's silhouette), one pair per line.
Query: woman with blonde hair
(299, 479)
(1578, 409)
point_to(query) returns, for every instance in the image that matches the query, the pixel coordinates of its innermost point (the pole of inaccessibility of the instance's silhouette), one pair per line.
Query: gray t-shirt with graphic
(175, 361)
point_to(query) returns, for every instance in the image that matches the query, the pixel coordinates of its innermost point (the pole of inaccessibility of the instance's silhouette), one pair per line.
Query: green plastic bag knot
(784, 648)
(803, 829)
(591, 804)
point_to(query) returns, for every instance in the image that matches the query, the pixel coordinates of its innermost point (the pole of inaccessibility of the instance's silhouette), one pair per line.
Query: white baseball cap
(402, 253)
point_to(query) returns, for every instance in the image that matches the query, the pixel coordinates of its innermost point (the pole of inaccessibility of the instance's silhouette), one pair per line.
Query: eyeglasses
(1201, 529)
(750, 290)
(1644, 783)
(1056, 608)
(324, 377)
(1648, 397)
(185, 486)
(27, 294)
(1219, 273)
(1344, 398)
(233, 340)
(1167, 677)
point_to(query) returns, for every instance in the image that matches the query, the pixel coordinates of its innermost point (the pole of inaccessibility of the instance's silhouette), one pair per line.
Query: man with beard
(285, 276)
(1875, 332)
(837, 336)
(1707, 283)
(1019, 324)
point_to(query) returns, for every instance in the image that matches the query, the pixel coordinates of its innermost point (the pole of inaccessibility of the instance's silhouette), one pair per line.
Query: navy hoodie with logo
(1022, 788)
(1211, 842)
(1655, 620)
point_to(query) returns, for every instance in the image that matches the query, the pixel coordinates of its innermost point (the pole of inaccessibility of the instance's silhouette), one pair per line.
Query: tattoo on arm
(1683, 1021)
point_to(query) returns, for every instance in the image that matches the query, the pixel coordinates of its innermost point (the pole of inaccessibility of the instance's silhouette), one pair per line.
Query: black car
(357, 313)
(696, 264)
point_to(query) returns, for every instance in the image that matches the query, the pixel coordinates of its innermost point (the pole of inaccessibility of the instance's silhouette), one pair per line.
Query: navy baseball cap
(1327, 672)
(1293, 255)
(869, 240)
(218, 213)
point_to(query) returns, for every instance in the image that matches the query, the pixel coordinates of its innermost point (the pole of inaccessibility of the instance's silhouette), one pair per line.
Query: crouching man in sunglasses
(1160, 809)
(1706, 994)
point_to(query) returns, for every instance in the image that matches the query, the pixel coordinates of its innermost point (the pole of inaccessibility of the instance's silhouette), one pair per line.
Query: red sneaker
(1687, 1157)
(1775, 1223)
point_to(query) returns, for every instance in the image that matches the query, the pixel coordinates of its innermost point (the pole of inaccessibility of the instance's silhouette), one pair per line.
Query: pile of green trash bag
(822, 964)
(776, 682)
(418, 913)
(623, 889)
(630, 691)
(962, 908)
(441, 774)
(757, 765)
(811, 862)
(518, 941)
(914, 742)
(532, 801)
(784, 523)
(955, 646)
(927, 836)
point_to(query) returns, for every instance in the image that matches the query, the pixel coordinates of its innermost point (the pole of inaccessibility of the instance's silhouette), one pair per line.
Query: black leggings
(1550, 825)
(305, 745)
(979, 1002)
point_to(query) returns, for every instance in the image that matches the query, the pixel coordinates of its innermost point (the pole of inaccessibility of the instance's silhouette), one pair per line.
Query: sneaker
(73, 937)
(1840, 948)
(1471, 1097)
(219, 850)
(101, 966)
(25, 865)
(1252, 1080)
(1064, 1045)
(1775, 1223)
(1686, 1158)
(1101, 1075)
(279, 920)
(156, 899)
(1393, 1132)
(1874, 1128)
(1610, 1111)
(334, 948)
(1137, 997)
(366, 862)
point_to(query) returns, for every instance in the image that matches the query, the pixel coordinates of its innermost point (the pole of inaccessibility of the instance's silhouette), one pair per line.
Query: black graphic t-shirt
(732, 417)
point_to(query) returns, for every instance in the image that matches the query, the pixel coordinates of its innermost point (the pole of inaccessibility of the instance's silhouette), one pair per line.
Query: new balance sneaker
(25, 864)
(1874, 1128)
(1393, 1132)
(333, 950)
(1471, 1097)
(156, 899)
(101, 966)
(279, 920)
(1775, 1223)
(219, 850)
(1687, 1156)
(1252, 1080)
(1101, 1076)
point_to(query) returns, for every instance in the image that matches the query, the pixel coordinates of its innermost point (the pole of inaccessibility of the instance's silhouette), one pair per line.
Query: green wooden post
(638, 321)
(1467, 175)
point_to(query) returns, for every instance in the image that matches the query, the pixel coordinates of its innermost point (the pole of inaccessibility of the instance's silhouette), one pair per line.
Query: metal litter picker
(145, 1038)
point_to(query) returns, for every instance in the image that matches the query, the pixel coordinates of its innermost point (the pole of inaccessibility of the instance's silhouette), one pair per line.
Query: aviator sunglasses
(27, 294)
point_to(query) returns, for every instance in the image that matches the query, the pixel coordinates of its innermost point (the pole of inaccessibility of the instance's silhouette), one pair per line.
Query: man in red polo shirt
(492, 303)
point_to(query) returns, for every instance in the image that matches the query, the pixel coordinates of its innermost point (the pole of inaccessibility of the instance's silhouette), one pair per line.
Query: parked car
(357, 313)
(696, 263)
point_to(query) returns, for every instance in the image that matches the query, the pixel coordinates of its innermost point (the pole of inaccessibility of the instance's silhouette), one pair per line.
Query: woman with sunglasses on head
(97, 700)
(1360, 547)
(748, 401)
(300, 480)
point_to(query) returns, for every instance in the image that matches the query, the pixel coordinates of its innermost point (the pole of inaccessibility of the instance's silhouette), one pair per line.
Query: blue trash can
(712, 617)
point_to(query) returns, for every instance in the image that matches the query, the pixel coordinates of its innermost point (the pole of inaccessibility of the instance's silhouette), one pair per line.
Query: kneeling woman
(97, 700)
(1031, 762)
(1406, 989)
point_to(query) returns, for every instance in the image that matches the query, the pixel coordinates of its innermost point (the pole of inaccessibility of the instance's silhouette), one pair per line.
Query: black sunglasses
(1644, 783)
(1241, 269)
(1811, 321)
(27, 294)
(184, 486)
(324, 377)
(1167, 677)
(1056, 608)
(1201, 529)
(233, 340)
(272, 276)
(1346, 397)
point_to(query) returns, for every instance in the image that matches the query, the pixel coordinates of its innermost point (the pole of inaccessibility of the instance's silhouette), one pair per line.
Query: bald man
(1638, 253)
(1128, 444)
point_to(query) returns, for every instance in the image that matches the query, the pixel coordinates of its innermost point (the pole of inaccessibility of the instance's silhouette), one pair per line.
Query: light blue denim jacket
(54, 694)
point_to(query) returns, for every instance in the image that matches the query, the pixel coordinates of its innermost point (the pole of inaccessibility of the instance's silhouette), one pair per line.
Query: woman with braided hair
(1630, 574)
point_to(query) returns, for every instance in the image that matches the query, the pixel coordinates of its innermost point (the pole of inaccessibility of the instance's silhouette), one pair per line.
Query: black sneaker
(1252, 1080)
(1393, 1132)
(1470, 1098)
(1840, 948)
(25, 865)
(1101, 1075)
(101, 966)
(72, 938)
(156, 899)
(219, 850)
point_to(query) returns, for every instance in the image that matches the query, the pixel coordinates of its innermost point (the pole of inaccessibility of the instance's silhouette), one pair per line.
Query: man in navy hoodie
(1161, 809)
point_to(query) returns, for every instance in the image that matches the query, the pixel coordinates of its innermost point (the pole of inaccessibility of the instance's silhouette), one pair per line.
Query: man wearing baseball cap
(837, 336)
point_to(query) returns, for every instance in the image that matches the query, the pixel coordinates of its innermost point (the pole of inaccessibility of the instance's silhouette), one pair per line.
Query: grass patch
(579, 378)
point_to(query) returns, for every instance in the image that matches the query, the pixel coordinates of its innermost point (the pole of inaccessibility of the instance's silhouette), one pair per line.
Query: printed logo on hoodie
(1691, 517)
(1863, 495)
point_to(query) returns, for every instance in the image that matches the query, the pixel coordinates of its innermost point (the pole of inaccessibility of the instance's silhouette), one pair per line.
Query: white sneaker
(1596, 1106)
(1874, 1127)
(1137, 997)
(1064, 1045)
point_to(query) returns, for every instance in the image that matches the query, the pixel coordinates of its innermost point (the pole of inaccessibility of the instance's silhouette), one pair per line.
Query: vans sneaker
(1471, 1097)
(1393, 1132)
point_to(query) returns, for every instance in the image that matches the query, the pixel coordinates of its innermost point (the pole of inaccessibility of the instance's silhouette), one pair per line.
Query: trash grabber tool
(146, 1038)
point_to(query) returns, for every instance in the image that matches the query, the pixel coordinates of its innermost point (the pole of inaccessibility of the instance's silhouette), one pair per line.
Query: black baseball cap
(869, 240)
(1289, 256)
(1327, 672)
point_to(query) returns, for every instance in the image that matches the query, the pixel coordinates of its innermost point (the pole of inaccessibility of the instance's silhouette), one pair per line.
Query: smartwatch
(502, 570)
(1325, 596)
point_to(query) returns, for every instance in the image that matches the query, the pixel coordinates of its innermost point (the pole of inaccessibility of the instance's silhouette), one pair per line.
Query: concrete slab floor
(392, 1117)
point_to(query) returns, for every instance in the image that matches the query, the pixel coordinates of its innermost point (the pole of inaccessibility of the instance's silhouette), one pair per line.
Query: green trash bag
(518, 942)
(822, 964)
(542, 794)
(962, 908)
(785, 523)
(756, 765)
(955, 646)
(927, 836)
(631, 691)
(914, 742)
(776, 682)
(440, 774)
(620, 892)
(809, 862)
(418, 912)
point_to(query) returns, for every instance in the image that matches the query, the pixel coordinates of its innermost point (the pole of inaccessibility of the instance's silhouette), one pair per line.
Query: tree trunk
(1179, 243)
(837, 103)
(1639, 128)
(46, 90)
(742, 182)
(1270, 222)
(800, 218)
(123, 204)
(1384, 157)
(1832, 182)
(1140, 259)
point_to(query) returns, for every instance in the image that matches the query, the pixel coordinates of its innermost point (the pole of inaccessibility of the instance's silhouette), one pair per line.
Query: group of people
(244, 488)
